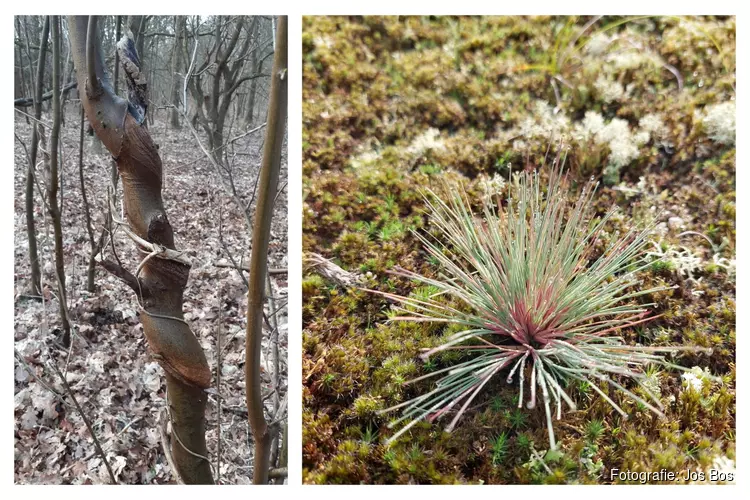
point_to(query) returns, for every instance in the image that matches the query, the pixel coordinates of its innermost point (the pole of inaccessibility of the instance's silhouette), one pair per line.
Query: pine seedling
(539, 300)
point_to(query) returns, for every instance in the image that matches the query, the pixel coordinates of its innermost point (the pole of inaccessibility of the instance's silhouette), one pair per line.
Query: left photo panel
(150, 250)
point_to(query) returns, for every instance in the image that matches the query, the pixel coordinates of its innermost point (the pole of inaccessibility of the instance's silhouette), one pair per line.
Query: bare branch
(126, 276)
(29, 101)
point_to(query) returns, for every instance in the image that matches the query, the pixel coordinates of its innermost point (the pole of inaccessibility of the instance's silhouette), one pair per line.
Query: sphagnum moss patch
(396, 105)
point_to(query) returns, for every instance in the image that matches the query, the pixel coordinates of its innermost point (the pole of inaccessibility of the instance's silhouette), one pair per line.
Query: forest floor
(111, 373)
(392, 105)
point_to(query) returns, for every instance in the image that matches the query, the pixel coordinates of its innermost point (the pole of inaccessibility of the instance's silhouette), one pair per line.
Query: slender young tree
(260, 52)
(162, 275)
(269, 178)
(137, 26)
(250, 101)
(21, 78)
(91, 271)
(179, 33)
(54, 181)
(36, 274)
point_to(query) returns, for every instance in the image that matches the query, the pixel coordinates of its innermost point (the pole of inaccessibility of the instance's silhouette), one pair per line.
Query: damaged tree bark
(162, 275)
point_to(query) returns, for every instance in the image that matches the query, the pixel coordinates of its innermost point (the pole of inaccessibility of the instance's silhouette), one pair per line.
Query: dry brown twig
(106, 446)
(330, 271)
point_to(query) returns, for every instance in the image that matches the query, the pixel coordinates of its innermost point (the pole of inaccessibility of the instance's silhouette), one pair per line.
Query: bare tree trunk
(30, 59)
(153, 49)
(250, 105)
(269, 179)
(137, 28)
(17, 82)
(113, 174)
(179, 32)
(91, 271)
(160, 283)
(54, 204)
(118, 34)
(31, 172)
(20, 72)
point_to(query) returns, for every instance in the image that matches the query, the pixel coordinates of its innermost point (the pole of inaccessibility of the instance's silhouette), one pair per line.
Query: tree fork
(160, 282)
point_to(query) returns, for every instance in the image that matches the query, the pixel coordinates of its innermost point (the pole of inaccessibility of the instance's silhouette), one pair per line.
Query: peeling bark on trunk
(269, 179)
(160, 284)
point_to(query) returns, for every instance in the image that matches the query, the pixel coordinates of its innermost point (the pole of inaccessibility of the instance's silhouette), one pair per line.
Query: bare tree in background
(36, 287)
(20, 77)
(179, 33)
(53, 183)
(257, 60)
(223, 68)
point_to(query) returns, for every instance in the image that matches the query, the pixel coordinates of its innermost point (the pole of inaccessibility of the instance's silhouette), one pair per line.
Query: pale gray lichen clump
(720, 122)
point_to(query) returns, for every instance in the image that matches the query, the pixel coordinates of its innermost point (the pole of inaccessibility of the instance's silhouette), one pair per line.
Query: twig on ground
(331, 271)
(85, 420)
(41, 382)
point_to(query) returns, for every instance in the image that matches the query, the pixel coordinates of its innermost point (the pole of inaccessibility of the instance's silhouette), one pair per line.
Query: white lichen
(492, 186)
(720, 121)
(544, 123)
(691, 381)
(364, 159)
(730, 265)
(682, 259)
(653, 124)
(632, 59)
(624, 146)
(609, 90)
(586, 129)
(426, 141)
(598, 44)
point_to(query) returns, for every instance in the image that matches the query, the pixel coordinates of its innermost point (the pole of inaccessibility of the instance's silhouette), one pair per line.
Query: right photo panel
(519, 250)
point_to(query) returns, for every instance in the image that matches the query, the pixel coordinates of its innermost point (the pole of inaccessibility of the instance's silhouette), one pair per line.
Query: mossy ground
(392, 105)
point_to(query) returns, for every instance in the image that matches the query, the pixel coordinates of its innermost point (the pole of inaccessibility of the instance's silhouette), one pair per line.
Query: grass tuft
(543, 301)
